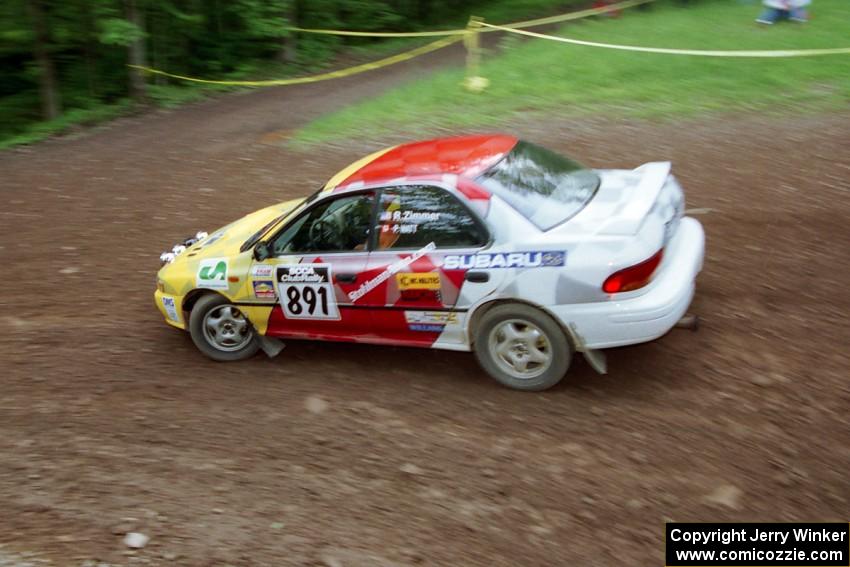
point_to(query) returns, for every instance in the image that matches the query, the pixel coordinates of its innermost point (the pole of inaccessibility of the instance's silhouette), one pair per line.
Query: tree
(128, 32)
(66, 55)
(289, 51)
(137, 51)
(51, 103)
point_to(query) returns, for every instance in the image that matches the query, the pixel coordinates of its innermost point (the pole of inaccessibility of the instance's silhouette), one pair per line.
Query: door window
(335, 225)
(414, 216)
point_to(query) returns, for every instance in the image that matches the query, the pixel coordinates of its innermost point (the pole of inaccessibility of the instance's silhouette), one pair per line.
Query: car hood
(227, 240)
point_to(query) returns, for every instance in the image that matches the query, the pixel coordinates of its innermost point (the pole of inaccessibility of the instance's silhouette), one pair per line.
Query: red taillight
(633, 277)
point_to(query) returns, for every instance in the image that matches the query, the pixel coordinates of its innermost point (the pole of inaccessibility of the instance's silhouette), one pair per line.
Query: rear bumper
(626, 321)
(171, 308)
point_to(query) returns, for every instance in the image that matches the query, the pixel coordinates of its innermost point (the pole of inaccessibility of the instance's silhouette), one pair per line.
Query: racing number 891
(306, 292)
(308, 301)
(307, 297)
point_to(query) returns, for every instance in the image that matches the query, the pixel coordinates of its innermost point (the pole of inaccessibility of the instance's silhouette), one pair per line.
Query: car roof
(465, 156)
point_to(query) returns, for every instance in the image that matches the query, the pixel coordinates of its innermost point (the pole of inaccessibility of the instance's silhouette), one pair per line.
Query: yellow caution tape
(378, 34)
(698, 52)
(523, 24)
(439, 44)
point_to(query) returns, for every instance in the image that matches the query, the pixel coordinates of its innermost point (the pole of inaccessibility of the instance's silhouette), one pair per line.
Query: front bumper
(171, 307)
(655, 311)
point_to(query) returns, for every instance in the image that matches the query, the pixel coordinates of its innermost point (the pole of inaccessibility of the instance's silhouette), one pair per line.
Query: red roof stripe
(462, 155)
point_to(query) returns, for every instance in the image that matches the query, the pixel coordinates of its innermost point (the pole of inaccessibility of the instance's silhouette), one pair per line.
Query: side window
(335, 225)
(414, 216)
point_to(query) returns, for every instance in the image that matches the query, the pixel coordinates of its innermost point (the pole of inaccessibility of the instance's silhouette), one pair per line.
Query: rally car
(484, 243)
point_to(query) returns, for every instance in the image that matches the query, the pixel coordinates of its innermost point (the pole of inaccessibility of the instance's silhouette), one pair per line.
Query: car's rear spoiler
(629, 219)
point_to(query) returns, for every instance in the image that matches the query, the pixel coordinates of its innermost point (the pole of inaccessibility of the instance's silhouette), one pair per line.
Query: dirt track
(110, 421)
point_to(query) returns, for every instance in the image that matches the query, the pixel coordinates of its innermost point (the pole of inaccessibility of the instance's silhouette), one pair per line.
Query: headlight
(177, 249)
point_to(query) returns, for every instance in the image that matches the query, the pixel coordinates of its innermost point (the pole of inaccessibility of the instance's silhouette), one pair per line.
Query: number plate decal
(306, 291)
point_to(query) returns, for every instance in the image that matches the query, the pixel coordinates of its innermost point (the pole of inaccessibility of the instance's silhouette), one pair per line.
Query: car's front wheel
(221, 330)
(522, 347)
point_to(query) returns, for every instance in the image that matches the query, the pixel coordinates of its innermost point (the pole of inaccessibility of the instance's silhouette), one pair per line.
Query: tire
(221, 331)
(513, 337)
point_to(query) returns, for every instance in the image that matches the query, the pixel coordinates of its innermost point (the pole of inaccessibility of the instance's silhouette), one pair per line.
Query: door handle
(477, 277)
(346, 278)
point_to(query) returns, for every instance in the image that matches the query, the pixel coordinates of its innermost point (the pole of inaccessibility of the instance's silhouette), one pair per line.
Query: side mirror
(262, 252)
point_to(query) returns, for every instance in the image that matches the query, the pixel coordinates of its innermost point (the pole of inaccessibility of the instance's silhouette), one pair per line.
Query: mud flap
(597, 360)
(689, 321)
(271, 347)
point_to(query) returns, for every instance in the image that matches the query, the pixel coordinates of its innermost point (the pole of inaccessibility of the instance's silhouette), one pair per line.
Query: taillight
(633, 277)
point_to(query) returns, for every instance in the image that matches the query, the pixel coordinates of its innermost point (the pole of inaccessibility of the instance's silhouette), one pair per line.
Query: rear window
(547, 188)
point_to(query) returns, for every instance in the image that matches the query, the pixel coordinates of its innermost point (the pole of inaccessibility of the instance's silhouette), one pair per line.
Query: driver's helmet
(389, 222)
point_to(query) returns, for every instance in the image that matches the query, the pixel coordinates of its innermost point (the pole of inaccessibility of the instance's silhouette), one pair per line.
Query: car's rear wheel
(522, 347)
(221, 330)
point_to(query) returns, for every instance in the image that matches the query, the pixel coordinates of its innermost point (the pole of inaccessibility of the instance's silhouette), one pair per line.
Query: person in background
(775, 10)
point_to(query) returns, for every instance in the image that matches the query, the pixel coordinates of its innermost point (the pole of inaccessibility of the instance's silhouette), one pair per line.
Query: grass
(160, 95)
(76, 118)
(540, 77)
(169, 95)
(500, 12)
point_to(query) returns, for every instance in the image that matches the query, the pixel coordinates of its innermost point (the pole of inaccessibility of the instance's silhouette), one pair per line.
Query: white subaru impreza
(476, 243)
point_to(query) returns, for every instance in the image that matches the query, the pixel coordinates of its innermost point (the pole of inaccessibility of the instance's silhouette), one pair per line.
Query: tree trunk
(136, 52)
(289, 50)
(89, 48)
(50, 99)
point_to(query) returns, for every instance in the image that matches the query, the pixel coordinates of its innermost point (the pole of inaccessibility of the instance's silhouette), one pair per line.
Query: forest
(65, 61)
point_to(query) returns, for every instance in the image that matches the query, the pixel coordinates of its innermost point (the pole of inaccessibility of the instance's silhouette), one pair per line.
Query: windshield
(259, 234)
(545, 187)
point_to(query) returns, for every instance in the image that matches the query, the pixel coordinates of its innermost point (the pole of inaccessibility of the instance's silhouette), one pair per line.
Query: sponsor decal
(429, 321)
(554, 259)
(262, 270)
(306, 291)
(426, 328)
(212, 273)
(435, 317)
(170, 308)
(304, 273)
(393, 268)
(409, 216)
(264, 289)
(429, 280)
(399, 228)
(533, 259)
